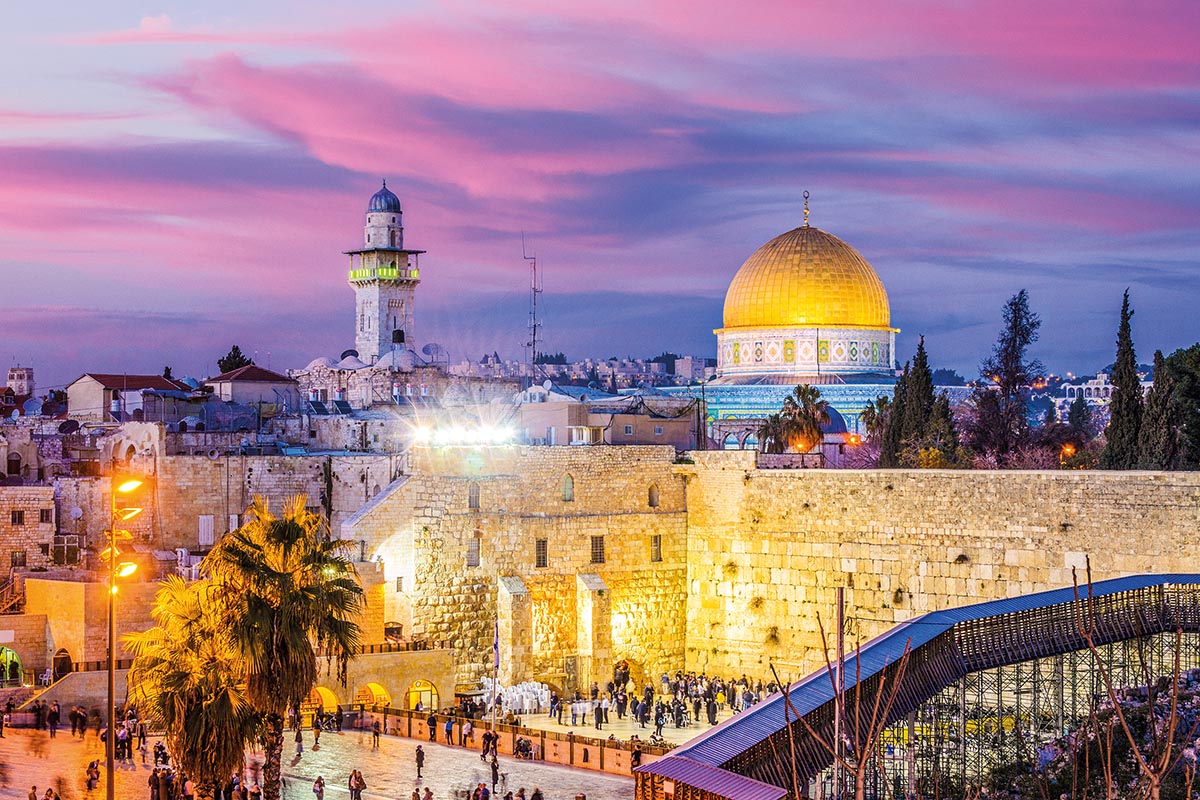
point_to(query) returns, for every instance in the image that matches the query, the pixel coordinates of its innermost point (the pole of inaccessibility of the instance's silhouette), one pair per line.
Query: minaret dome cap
(384, 201)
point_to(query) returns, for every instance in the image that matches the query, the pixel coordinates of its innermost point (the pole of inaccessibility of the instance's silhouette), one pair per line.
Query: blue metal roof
(384, 201)
(742, 731)
(712, 779)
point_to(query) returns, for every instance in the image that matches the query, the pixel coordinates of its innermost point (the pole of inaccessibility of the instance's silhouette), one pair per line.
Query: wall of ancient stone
(767, 548)
(426, 533)
(25, 539)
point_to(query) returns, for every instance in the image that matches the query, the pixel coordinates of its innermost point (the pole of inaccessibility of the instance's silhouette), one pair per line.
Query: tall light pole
(120, 513)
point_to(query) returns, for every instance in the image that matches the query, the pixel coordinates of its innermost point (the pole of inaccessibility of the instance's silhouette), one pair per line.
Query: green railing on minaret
(383, 273)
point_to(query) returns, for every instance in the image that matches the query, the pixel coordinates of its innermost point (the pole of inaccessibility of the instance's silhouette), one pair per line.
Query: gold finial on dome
(806, 208)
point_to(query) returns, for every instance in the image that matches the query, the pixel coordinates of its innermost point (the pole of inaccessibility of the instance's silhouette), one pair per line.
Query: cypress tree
(1160, 438)
(893, 440)
(1079, 418)
(1125, 418)
(1000, 420)
(918, 398)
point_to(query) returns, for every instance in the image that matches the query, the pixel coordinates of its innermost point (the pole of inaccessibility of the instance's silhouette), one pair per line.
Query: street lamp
(120, 513)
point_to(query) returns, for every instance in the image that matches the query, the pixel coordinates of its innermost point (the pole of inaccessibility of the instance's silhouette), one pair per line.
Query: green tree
(1184, 366)
(234, 359)
(891, 442)
(1000, 422)
(772, 434)
(1079, 419)
(1160, 439)
(1125, 411)
(875, 418)
(289, 595)
(186, 678)
(918, 397)
(805, 414)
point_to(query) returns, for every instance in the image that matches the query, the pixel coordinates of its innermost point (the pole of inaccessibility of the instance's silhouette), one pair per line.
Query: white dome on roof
(400, 359)
(323, 361)
(350, 362)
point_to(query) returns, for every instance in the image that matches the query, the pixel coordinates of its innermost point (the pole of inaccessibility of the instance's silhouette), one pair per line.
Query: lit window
(541, 553)
(656, 547)
(568, 489)
(473, 552)
(18, 558)
(597, 549)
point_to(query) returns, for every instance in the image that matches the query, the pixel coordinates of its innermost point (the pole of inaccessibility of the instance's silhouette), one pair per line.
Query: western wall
(749, 556)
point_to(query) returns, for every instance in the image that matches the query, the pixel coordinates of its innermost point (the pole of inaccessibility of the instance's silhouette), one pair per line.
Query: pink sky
(180, 180)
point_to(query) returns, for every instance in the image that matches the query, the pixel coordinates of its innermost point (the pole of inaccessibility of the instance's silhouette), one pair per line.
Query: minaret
(384, 276)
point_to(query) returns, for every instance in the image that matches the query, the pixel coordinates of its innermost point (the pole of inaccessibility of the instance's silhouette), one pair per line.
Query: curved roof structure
(943, 647)
(806, 278)
(384, 201)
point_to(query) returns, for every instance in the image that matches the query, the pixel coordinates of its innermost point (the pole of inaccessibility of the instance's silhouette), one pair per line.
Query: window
(473, 497)
(66, 549)
(473, 552)
(652, 496)
(541, 553)
(658, 430)
(597, 549)
(206, 530)
(568, 489)
(46, 516)
(18, 558)
(656, 547)
(235, 522)
(399, 583)
(17, 517)
(629, 430)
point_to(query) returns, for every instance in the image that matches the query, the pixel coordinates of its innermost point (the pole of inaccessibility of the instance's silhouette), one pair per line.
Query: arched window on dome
(652, 498)
(568, 489)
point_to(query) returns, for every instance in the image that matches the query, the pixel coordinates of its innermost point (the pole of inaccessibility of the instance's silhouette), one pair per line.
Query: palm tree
(289, 595)
(772, 434)
(185, 677)
(804, 414)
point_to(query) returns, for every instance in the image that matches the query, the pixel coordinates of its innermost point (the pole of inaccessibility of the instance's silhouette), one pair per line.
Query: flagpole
(495, 678)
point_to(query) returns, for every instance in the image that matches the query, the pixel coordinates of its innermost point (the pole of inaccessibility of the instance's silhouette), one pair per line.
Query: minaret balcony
(387, 273)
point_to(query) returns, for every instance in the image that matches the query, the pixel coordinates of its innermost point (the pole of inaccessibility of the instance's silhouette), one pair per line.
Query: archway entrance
(321, 699)
(14, 464)
(10, 663)
(373, 695)
(63, 664)
(425, 693)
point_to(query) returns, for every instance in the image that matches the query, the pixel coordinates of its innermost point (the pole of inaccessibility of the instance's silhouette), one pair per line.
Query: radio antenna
(535, 288)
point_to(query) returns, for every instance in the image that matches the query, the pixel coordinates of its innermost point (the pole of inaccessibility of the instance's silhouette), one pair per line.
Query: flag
(496, 645)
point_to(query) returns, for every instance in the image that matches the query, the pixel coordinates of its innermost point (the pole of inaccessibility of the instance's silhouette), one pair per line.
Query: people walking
(420, 756)
(299, 740)
(52, 719)
(375, 730)
(319, 788)
(431, 724)
(449, 730)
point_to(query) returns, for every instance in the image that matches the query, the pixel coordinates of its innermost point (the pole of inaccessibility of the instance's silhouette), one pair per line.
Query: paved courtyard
(31, 758)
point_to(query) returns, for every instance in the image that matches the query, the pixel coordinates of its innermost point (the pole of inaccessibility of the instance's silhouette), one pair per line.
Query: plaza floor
(31, 758)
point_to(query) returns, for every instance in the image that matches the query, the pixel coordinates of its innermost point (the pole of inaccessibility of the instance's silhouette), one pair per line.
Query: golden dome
(806, 278)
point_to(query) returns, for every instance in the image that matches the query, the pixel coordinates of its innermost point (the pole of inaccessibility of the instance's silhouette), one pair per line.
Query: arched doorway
(130, 452)
(10, 663)
(63, 664)
(425, 693)
(321, 699)
(373, 695)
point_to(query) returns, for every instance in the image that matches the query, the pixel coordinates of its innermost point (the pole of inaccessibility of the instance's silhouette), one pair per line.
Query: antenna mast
(535, 288)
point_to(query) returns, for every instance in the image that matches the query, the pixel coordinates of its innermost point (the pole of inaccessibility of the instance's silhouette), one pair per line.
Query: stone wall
(25, 539)
(426, 534)
(767, 548)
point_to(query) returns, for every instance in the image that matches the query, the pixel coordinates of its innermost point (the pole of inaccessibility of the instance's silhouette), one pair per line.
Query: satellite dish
(68, 426)
(14, 415)
(348, 353)
(548, 384)
(76, 513)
